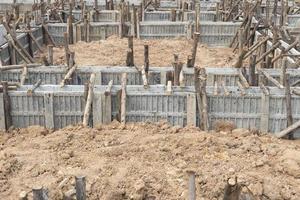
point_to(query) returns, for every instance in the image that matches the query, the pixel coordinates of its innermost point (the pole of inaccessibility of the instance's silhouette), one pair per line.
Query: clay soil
(147, 161)
(112, 52)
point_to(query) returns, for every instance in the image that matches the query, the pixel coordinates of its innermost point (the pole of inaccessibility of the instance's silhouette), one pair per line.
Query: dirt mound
(147, 161)
(112, 52)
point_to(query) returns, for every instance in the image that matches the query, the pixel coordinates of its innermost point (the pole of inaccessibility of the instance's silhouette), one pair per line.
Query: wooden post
(241, 39)
(252, 75)
(192, 185)
(130, 54)
(12, 53)
(88, 105)
(34, 87)
(173, 15)
(177, 66)
(7, 106)
(68, 75)
(123, 98)
(66, 47)
(24, 75)
(283, 74)
(146, 59)
(134, 19)
(80, 186)
(50, 54)
(70, 30)
(288, 101)
(40, 193)
(194, 50)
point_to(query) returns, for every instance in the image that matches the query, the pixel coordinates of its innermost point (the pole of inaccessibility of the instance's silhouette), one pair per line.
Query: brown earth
(112, 52)
(147, 161)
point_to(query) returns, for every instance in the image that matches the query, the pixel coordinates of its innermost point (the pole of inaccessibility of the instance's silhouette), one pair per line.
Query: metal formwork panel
(204, 16)
(100, 29)
(244, 111)
(155, 107)
(293, 19)
(207, 6)
(27, 110)
(156, 30)
(157, 16)
(4, 53)
(57, 32)
(69, 108)
(168, 4)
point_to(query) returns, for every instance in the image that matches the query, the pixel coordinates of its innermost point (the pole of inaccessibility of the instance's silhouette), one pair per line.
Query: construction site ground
(147, 161)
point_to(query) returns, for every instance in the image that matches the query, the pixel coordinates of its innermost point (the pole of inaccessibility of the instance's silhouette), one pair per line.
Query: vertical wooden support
(173, 15)
(70, 30)
(264, 118)
(191, 110)
(192, 185)
(252, 75)
(80, 186)
(146, 59)
(50, 54)
(7, 106)
(263, 49)
(49, 111)
(288, 100)
(66, 47)
(134, 20)
(40, 193)
(12, 53)
(241, 39)
(87, 109)
(123, 98)
(130, 54)
(138, 28)
(194, 50)
(197, 19)
(2, 113)
(283, 75)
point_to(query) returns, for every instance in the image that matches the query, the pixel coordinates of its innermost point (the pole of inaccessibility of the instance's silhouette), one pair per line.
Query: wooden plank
(191, 110)
(87, 109)
(2, 114)
(123, 98)
(106, 108)
(49, 110)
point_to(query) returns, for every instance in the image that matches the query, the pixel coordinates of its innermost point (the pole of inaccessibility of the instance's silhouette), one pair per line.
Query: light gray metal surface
(188, 16)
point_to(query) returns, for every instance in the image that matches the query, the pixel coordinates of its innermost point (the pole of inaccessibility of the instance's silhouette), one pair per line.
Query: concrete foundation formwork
(56, 107)
(53, 75)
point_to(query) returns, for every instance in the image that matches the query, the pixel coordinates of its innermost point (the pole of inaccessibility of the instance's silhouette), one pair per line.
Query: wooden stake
(80, 186)
(123, 98)
(68, 75)
(270, 78)
(288, 101)
(108, 89)
(88, 105)
(50, 54)
(252, 75)
(146, 59)
(7, 105)
(24, 75)
(34, 87)
(40, 193)
(130, 56)
(194, 50)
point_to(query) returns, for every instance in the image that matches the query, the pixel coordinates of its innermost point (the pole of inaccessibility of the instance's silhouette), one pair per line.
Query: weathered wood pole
(88, 105)
(252, 75)
(130, 54)
(50, 54)
(40, 193)
(192, 185)
(80, 186)
(7, 106)
(146, 58)
(194, 50)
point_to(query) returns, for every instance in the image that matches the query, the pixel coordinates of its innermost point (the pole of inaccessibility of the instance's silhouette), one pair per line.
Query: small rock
(256, 188)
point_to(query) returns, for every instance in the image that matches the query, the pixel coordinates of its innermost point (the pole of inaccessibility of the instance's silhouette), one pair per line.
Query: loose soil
(147, 161)
(112, 52)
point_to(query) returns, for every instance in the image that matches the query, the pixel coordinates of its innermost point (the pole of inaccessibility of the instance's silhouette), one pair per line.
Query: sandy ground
(113, 52)
(147, 161)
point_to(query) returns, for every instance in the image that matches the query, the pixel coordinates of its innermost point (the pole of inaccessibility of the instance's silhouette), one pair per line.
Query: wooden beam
(194, 50)
(270, 78)
(123, 98)
(34, 87)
